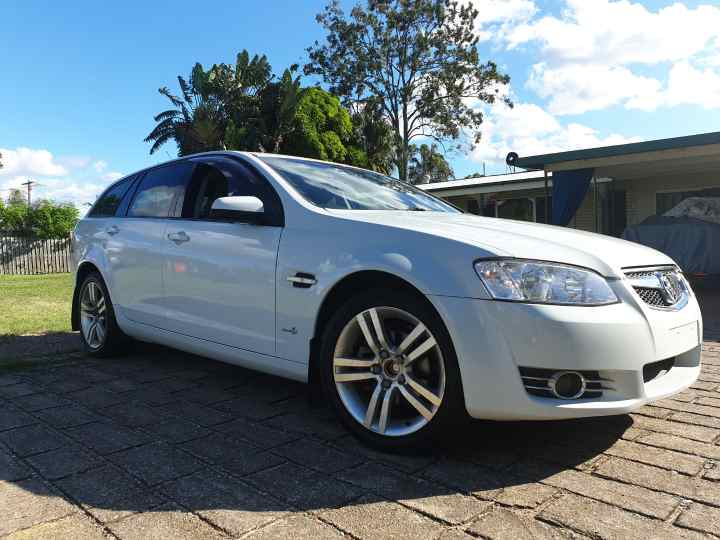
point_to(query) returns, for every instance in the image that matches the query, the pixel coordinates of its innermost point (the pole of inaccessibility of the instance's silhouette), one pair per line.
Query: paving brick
(467, 477)
(37, 402)
(373, 519)
(429, 498)
(682, 445)
(156, 462)
(68, 416)
(107, 437)
(29, 502)
(8, 380)
(295, 527)
(74, 526)
(325, 428)
(224, 502)
(654, 412)
(666, 459)
(697, 433)
(200, 414)
(696, 419)
(528, 495)
(233, 456)
(101, 487)
(123, 508)
(132, 414)
(206, 395)
(660, 480)
(12, 417)
(600, 520)
(712, 473)
(710, 402)
(96, 397)
(177, 431)
(30, 440)
(701, 518)
(12, 469)
(405, 462)
(258, 434)
(12, 391)
(633, 498)
(164, 522)
(250, 408)
(500, 523)
(303, 488)
(317, 456)
(64, 462)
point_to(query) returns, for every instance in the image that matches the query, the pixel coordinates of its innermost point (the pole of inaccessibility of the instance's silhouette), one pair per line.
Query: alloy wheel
(389, 371)
(93, 315)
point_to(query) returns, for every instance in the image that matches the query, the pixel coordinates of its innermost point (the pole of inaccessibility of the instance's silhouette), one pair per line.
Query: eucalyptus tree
(418, 59)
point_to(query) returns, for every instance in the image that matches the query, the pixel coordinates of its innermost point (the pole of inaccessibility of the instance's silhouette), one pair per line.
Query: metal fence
(23, 254)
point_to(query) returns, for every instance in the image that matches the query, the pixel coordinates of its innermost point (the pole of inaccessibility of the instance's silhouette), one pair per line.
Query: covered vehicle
(689, 233)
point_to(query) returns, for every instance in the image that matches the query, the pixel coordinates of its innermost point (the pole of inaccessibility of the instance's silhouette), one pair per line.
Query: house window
(520, 209)
(668, 201)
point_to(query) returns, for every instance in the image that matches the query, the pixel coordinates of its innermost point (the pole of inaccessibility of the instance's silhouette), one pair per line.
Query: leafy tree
(428, 165)
(209, 102)
(53, 220)
(372, 141)
(417, 58)
(321, 127)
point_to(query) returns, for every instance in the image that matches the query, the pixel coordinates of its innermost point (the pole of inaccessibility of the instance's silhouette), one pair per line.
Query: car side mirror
(248, 209)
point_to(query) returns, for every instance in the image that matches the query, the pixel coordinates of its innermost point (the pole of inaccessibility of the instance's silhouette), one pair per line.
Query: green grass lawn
(35, 304)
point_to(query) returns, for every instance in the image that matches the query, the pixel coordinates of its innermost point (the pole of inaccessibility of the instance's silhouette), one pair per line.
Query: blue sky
(80, 79)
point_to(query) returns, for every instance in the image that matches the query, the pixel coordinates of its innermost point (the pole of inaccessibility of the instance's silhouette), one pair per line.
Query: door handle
(178, 237)
(112, 230)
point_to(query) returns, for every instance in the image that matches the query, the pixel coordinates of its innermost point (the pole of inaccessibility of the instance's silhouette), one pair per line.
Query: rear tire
(99, 333)
(390, 371)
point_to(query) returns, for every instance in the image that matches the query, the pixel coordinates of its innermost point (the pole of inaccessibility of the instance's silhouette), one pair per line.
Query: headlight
(543, 283)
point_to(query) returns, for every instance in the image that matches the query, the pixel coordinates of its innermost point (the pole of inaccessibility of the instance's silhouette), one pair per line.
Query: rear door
(135, 256)
(220, 275)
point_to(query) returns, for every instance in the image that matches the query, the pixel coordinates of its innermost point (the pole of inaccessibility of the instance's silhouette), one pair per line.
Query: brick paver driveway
(166, 445)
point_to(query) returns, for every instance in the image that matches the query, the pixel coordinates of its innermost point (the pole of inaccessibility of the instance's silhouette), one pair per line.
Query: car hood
(508, 238)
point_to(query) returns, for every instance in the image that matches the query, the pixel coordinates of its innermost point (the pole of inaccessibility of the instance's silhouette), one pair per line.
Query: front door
(219, 276)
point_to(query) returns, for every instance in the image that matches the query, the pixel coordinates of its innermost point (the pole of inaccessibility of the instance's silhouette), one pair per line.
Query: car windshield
(334, 186)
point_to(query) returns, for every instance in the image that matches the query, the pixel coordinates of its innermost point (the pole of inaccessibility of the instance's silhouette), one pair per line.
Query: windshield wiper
(416, 209)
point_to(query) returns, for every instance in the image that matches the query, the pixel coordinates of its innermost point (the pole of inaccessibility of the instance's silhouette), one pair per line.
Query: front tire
(99, 333)
(390, 370)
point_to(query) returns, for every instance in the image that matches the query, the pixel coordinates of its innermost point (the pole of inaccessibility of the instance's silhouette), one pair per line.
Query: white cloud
(621, 32)
(577, 88)
(530, 130)
(73, 179)
(100, 165)
(591, 52)
(497, 16)
(29, 162)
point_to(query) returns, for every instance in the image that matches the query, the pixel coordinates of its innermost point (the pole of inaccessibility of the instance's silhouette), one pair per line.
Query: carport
(633, 184)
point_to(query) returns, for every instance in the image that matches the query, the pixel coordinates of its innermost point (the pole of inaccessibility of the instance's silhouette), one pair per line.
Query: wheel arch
(84, 269)
(344, 288)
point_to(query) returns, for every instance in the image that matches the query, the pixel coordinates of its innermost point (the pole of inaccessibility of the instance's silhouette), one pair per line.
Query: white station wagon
(408, 313)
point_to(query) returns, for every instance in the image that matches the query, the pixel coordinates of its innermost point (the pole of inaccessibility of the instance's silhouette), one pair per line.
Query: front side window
(159, 190)
(208, 184)
(109, 202)
(334, 186)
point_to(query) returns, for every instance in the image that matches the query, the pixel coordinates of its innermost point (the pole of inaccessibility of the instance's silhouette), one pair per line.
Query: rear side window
(159, 190)
(110, 201)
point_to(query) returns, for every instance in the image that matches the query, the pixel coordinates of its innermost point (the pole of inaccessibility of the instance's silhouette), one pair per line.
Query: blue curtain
(568, 191)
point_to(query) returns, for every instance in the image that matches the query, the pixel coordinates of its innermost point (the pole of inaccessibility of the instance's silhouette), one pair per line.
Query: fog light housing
(567, 384)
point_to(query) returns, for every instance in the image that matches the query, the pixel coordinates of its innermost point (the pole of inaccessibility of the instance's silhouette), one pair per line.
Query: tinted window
(159, 190)
(109, 201)
(210, 183)
(330, 185)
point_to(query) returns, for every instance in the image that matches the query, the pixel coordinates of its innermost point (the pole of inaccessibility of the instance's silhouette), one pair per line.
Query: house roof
(661, 148)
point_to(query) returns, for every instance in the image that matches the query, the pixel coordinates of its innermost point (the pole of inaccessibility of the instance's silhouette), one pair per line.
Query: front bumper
(494, 339)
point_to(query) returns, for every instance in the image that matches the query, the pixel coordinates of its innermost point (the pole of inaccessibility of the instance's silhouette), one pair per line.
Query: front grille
(660, 287)
(537, 382)
(655, 370)
(650, 296)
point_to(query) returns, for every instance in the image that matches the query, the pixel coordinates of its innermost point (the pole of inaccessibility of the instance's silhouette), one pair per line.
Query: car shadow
(161, 430)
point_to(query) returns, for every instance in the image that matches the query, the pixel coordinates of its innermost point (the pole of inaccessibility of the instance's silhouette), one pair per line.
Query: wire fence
(26, 254)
